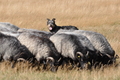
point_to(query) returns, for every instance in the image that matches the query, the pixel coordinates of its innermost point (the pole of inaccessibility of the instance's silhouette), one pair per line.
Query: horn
(108, 55)
(21, 59)
(59, 59)
(50, 58)
(79, 53)
(87, 53)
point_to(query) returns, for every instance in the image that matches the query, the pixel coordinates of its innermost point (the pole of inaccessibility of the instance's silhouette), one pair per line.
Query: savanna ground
(102, 16)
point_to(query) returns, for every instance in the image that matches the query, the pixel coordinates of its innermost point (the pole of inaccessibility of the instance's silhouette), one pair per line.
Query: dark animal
(100, 43)
(12, 50)
(14, 34)
(22, 30)
(92, 52)
(71, 48)
(36, 32)
(42, 48)
(8, 27)
(54, 28)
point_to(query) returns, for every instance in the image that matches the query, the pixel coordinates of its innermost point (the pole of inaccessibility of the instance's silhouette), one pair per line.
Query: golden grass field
(102, 16)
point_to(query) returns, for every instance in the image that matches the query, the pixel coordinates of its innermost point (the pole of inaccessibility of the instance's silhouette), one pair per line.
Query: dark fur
(5, 26)
(36, 32)
(69, 46)
(11, 49)
(41, 47)
(106, 54)
(54, 28)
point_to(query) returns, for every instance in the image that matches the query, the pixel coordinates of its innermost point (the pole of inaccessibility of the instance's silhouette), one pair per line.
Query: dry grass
(23, 71)
(81, 13)
(102, 16)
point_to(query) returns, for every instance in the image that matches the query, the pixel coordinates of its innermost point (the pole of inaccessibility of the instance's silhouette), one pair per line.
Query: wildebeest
(5, 26)
(12, 50)
(100, 43)
(42, 48)
(54, 28)
(71, 48)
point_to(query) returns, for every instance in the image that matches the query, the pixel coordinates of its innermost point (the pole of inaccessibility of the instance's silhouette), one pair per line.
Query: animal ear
(48, 19)
(53, 19)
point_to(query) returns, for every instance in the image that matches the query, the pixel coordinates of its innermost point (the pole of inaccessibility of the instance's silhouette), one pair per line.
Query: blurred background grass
(81, 13)
(101, 16)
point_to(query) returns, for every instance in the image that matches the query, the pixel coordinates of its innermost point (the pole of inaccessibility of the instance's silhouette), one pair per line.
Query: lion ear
(53, 19)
